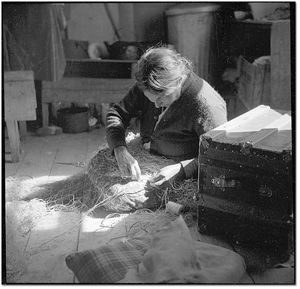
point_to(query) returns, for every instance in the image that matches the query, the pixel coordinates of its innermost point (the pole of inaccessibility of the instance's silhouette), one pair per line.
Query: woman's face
(163, 99)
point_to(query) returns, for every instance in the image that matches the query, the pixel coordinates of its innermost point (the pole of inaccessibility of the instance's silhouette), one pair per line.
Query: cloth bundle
(173, 257)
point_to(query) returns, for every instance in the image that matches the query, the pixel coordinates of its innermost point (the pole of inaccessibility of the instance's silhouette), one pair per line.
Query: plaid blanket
(109, 263)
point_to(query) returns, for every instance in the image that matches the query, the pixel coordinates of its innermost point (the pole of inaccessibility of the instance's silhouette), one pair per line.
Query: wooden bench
(89, 81)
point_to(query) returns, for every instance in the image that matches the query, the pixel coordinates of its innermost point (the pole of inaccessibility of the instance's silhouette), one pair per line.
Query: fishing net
(20, 218)
(123, 194)
(101, 185)
(98, 185)
(123, 227)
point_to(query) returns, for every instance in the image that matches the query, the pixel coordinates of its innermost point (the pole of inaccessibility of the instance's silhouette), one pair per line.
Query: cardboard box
(254, 84)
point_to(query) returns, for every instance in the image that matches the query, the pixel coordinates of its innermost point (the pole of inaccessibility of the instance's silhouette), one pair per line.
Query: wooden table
(89, 81)
(19, 105)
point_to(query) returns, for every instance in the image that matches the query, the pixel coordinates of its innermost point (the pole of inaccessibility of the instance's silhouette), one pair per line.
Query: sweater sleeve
(119, 116)
(210, 115)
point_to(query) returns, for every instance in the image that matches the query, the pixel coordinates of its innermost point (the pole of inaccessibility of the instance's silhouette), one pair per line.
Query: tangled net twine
(101, 184)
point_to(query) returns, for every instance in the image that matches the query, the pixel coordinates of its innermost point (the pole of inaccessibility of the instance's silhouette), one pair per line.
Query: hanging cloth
(33, 39)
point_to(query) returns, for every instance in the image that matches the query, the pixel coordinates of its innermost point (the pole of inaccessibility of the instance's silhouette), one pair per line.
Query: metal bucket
(73, 119)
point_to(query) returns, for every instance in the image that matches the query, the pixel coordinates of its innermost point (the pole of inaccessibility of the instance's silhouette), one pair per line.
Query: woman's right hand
(128, 165)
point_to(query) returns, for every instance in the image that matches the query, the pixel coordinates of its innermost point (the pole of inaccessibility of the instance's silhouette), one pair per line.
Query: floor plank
(39, 159)
(96, 139)
(246, 279)
(276, 276)
(92, 233)
(10, 167)
(262, 266)
(72, 149)
(54, 237)
(209, 239)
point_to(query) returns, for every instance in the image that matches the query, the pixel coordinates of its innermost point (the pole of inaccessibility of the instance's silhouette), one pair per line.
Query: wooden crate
(254, 39)
(254, 84)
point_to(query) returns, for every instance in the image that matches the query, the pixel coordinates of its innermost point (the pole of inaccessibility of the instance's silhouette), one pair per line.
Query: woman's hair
(161, 69)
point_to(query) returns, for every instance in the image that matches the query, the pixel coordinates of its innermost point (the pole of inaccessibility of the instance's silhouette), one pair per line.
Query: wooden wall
(281, 96)
(261, 9)
(135, 21)
(90, 22)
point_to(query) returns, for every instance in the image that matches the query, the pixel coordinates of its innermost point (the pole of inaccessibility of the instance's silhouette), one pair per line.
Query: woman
(175, 107)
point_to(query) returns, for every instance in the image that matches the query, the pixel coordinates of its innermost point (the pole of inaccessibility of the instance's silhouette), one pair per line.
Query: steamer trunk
(246, 182)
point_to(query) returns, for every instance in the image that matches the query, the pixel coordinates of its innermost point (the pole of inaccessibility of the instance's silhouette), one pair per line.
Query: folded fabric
(173, 257)
(109, 263)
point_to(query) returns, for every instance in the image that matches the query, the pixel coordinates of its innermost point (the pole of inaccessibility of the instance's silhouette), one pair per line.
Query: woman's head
(161, 69)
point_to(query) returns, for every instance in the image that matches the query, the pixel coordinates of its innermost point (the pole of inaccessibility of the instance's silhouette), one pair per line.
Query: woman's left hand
(167, 175)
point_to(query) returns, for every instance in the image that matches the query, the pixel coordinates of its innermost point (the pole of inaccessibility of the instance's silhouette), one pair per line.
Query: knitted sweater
(198, 109)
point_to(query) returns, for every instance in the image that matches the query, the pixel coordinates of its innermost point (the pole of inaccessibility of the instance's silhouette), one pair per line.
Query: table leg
(23, 130)
(45, 107)
(14, 140)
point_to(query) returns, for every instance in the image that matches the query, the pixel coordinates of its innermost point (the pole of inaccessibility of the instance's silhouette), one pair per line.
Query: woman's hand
(128, 165)
(167, 175)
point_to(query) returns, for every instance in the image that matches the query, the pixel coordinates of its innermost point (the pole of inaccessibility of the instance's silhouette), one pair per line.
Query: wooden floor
(39, 160)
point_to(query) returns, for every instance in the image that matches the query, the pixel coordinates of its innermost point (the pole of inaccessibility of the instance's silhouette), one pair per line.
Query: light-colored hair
(161, 69)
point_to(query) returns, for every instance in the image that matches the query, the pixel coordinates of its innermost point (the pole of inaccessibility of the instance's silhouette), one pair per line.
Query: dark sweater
(198, 109)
